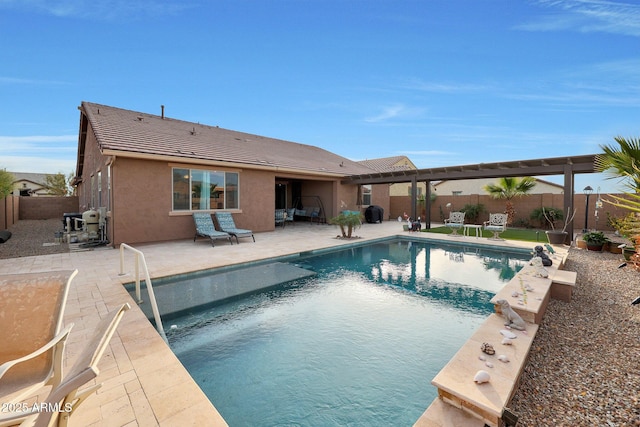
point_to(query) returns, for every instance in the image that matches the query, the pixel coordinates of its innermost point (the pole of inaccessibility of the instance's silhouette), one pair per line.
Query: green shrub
(548, 220)
(472, 212)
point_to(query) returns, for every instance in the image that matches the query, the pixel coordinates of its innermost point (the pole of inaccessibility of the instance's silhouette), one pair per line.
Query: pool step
(190, 294)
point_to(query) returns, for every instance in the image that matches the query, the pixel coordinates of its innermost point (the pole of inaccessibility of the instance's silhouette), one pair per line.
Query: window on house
(456, 193)
(197, 189)
(366, 195)
(99, 189)
(109, 187)
(92, 195)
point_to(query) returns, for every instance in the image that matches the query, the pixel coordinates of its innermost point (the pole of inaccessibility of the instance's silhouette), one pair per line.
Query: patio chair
(66, 396)
(290, 215)
(205, 228)
(497, 223)
(31, 339)
(455, 222)
(281, 217)
(226, 224)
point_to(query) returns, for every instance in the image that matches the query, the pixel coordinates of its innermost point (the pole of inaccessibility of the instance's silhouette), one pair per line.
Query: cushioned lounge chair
(205, 228)
(226, 224)
(67, 395)
(31, 337)
(291, 213)
(455, 222)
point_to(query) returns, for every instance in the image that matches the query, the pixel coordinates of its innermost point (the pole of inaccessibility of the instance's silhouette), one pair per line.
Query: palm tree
(507, 189)
(622, 161)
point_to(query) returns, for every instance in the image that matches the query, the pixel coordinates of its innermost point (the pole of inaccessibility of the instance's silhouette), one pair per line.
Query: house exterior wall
(380, 197)
(142, 199)
(404, 189)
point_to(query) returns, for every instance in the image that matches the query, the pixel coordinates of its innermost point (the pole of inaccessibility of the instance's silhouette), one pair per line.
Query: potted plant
(347, 221)
(557, 237)
(595, 240)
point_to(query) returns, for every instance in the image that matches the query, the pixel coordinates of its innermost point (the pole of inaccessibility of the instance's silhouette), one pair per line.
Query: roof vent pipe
(162, 109)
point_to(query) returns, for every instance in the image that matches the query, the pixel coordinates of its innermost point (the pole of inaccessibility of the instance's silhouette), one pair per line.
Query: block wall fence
(523, 205)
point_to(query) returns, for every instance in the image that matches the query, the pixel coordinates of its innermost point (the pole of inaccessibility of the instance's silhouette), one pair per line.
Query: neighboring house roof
(389, 164)
(34, 178)
(132, 134)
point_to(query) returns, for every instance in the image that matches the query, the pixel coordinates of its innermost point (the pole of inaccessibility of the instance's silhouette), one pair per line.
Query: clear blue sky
(445, 82)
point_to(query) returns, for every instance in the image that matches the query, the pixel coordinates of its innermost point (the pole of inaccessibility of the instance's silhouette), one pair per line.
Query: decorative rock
(487, 348)
(482, 377)
(508, 334)
(482, 358)
(503, 358)
(507, 341)
(489, 364)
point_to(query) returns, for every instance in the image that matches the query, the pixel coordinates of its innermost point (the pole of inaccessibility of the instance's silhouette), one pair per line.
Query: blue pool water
(356, 342)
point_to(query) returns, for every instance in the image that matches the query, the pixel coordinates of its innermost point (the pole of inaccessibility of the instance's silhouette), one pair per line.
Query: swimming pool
(354, 342)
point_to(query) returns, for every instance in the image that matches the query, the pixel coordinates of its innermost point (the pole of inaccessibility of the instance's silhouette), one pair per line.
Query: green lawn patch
(523, 234)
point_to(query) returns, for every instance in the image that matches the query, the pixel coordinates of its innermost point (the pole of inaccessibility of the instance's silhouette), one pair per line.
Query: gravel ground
(584, 365)
(33, 237)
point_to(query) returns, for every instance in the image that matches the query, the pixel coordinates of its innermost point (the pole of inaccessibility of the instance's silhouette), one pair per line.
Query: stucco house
(464, 187)
(148, 173)
(30, 184)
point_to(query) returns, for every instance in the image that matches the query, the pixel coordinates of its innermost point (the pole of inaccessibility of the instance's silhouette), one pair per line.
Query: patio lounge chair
(66, 395)
(31, 339)
(205, 228)
(226, 224)
(455, 222)
(497, 223)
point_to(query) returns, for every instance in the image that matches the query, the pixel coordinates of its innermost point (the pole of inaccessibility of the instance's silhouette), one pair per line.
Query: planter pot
(581, 244)
(556, 237)
(627, 252)
(594, 247)
(614, 249)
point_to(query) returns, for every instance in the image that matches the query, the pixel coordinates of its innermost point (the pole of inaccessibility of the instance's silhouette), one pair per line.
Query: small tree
(347, 221)
(57, 184)
(507, 188)
(6, 183)
(547, 216)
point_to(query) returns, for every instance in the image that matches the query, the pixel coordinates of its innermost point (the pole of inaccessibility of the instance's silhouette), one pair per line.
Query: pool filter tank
(91, 220)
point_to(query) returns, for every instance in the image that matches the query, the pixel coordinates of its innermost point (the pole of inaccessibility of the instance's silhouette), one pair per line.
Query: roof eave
(220, 163)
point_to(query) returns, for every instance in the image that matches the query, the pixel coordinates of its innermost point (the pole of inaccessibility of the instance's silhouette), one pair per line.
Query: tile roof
(36, 178)
(389, 164)
(129, 133)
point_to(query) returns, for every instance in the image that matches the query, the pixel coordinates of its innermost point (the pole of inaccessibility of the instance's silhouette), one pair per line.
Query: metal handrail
(152, 298)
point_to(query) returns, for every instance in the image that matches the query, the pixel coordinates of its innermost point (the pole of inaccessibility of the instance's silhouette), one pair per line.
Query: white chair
(32, 339)
(497, 223)
(67, 394)
(455, 222)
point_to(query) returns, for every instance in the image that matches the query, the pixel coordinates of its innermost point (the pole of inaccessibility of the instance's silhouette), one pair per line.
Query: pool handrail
(152, 298)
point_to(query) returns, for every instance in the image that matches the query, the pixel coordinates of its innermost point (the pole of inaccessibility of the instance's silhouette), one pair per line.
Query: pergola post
(568, 198)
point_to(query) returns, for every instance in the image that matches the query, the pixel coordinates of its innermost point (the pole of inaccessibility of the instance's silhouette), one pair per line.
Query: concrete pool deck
(144, 383)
